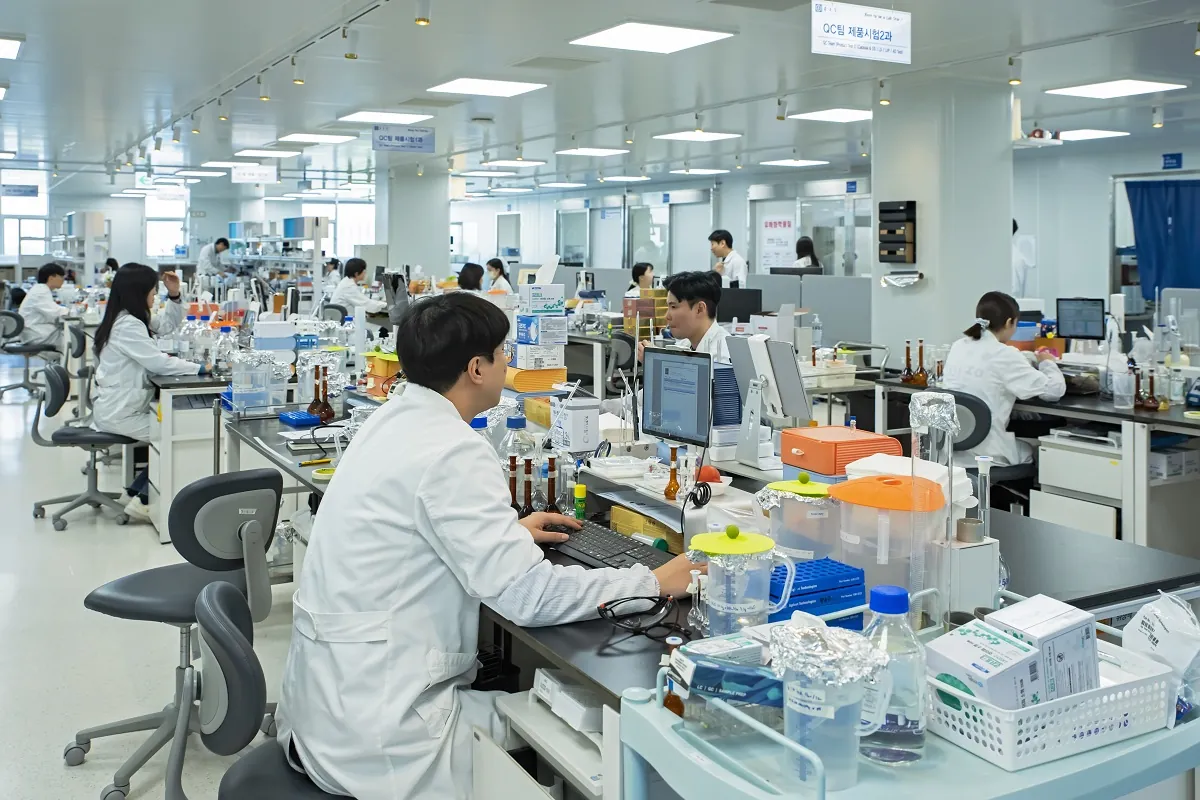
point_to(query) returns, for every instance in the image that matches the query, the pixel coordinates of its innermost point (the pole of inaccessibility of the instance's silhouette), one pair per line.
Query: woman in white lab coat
(415, 532)
(499, 276)
(349, 295)
(127, 355)
(42, 314)
(983, 364)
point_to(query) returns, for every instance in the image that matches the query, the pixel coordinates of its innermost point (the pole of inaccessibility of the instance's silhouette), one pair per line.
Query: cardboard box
(989, 664)
(542, 299)
(578, 423)
(1191, 462)
(773, 325)
(1166, 463)
(536, 356)
(541, 329)
(1064, 635)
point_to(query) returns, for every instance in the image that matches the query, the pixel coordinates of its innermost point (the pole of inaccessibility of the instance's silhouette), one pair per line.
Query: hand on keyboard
(549, 528)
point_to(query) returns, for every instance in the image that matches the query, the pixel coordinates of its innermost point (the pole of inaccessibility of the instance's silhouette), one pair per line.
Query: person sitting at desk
(982, 364)
(643, 278)
(349, 295)
(806, 254)
(126, 355)
(499, 276)
(470, 278)
(692, 299)
(414, 532)
(42, 314)
(333, 276)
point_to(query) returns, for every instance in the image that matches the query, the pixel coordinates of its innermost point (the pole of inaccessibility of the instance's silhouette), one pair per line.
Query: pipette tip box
(823, 586)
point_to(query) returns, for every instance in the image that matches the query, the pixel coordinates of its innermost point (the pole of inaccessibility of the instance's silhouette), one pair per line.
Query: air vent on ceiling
(763, 5)
(555, 64)
(431, 102)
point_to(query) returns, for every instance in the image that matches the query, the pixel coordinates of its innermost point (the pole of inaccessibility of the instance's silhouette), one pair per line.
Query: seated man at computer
(414, 533)
(692, 299)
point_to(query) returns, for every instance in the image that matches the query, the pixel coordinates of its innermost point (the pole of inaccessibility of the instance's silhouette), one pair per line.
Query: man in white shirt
(349, 295)
(692, 299)
(42, 314)
(208, 263)
(730, 266)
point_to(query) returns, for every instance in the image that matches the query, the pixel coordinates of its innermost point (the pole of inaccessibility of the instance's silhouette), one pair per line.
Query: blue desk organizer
(822, 587)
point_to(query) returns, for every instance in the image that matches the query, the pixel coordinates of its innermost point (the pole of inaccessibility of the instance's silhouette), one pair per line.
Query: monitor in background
(527, 276)
(1081, 318)
(739, 303)
(379, 272)
(677, 395)
(797, 271)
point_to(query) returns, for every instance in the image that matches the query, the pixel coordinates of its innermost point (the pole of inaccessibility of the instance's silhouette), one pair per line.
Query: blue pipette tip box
(824, 586)
(299, 419)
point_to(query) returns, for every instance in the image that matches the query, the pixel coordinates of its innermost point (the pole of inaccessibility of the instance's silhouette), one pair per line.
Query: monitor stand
(748, 441)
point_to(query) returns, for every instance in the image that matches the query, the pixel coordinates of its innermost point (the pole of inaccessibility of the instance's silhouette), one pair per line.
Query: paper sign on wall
(255, 173)
(850, 31)
(776, 236)
(18, 190)
(402, 139)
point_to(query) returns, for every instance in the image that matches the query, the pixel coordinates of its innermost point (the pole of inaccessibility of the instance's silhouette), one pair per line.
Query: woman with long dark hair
(126, 355)
(499, 276)
(806, 254)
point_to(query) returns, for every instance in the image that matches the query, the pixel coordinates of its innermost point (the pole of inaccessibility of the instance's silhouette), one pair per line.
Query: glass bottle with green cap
(739, 578)
(804, 519)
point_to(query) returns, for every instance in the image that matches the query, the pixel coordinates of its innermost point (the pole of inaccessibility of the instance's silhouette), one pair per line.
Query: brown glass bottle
(672, 489)
(527, 506)
(1150, 401)
(551, 488)
(512, 484)
(814, 355)
(1139, 397)
(314, 407)
(673, 702)
(327, 413)
(907, 375)
(920, 377)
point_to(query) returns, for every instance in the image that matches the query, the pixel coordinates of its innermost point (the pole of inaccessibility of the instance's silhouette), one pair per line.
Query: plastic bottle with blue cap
(901, 738)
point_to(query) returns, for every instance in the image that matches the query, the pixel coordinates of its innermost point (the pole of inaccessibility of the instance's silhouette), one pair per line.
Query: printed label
(818, 513)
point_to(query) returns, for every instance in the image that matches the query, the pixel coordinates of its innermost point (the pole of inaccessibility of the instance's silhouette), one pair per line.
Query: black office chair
(334, 313)
(223, 526)
(50, 401)
(234, 695)
(11, 325)
(974, 422)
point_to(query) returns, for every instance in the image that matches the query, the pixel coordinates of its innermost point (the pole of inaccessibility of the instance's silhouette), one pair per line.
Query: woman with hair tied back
(983, 364)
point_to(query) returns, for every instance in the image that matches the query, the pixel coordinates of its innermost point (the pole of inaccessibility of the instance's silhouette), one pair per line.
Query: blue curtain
(1166, 230)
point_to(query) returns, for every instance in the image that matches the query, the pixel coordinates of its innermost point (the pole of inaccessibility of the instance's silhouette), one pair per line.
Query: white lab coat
(332, 279)
(735, 270)
(712, 342)
(122, 393)
(350, 296)
(43, 317)
(413, 534)
(208, 263)
(501, 284)
(999, 375)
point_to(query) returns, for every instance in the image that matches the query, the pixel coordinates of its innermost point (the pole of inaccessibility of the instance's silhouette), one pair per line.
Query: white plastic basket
(1137, 695)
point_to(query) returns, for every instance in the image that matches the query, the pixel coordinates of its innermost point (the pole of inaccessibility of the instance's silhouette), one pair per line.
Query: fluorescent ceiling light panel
(626, 178)
(170, 181)
(561, 185)
(477, 194)
(835, 115)
(138, 192)
(384, 117)
(127, 196)
(512, 163)
(1107, 90)
(317, 138)
(166, 170)
(650, 38)
(7, 155)
(3, 90)
(485, 173)
(487, 88)
(201, 173)
(1084, 134)
(698, 136)
(267, 153)
(295, 195)
(792, 162)
(228, 164)
(698, 171)
(10, 45)
(193, 180)
(511, 190)
(282, 199)
(595, 152)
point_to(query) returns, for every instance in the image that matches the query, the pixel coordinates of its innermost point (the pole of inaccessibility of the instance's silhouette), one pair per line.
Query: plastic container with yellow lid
(739, 578)
(804, 518)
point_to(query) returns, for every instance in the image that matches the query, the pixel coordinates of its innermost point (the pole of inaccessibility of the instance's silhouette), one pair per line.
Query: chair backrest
(624, 350)
(234, 696)
(334, 313)
(78, 342)
(11, 325)
(225, 522)
(974, 419)
(58, 385)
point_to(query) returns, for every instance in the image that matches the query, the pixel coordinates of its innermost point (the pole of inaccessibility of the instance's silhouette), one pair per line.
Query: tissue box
(1064, 635)
(1168, 463)
(542, 299)
(541, 329)
(536, 356)
(578, 426)
(989, 664)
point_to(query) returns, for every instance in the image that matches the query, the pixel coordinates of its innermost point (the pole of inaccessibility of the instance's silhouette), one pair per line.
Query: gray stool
(11, 325)
(223, 526)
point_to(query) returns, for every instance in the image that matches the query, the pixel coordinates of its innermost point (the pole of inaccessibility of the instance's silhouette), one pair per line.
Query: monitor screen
(739, 304)
(1081, 318)
(677, 395)
(379, 272)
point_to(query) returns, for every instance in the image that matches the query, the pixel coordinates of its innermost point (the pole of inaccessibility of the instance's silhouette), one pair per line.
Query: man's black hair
(470, 277)
(693, 287)
(354, 267)
(223, 241)
(49, 271)
(721, 235)
(437, 337)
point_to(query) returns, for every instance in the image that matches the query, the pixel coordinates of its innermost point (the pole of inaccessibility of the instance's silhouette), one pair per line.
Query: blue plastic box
(822, 587)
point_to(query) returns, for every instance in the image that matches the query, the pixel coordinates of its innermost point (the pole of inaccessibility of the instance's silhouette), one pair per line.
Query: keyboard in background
(598, 547)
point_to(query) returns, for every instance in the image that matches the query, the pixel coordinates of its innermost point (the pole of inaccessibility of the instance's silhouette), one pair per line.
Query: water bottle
(517, 441)
(223, 351)
(347, 330)
(185, 337)
(203, 340)
(901, 738)
(817, 330)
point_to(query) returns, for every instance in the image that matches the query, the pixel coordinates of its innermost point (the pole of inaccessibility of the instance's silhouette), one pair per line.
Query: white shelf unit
(85, 238)
(253, 246)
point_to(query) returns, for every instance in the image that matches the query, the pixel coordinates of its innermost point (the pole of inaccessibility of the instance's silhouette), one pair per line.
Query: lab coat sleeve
(130, 339)
(1026, 382)
(166, 321)
(495, 559)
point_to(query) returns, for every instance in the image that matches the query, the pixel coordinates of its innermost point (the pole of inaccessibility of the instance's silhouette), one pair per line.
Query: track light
(1156, 116)
(450, 164)
(175, 134)
(520, 153)
(350, 42)
(142, 152)
(1196, 52)
(699, 123)
(628, 135)
(737, 161)
(862, 148)
(885, 92)
(781, 109)
(195, 125)
(297, 72)
(221, 115)
(112, 178)
(1014, 70)
(424, 17)
(600, 175)
(157, 143)
(263, 93)
(420, 170)
(54, 174)
(129, 158)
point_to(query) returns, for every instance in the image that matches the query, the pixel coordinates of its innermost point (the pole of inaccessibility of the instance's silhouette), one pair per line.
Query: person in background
(126, 355)
(111, 265)
(806, 255)
(16, 296)
(643, 278)
(42, 314)
(1020, 267)
(470, 277)
(376, 699)
(349, 295)
(982, 364)
(730, 265)
(692, 299)
(333, 276)
(208, 263)
(499, 276)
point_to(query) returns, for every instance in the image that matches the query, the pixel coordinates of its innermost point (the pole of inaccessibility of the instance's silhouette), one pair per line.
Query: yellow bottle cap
(580, 491)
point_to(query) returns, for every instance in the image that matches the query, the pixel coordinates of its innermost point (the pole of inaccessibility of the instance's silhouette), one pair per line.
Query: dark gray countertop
(188, 382)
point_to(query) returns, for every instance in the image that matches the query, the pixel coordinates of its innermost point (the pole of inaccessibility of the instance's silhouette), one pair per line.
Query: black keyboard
(598, 547)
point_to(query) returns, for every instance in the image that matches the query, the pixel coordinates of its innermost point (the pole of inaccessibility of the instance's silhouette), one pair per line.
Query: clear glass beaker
(1123, 390)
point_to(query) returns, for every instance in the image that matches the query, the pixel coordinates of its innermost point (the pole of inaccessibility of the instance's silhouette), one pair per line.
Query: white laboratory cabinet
(1081, 480)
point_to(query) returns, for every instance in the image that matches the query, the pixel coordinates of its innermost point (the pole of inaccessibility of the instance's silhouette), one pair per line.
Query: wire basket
(1137, 696)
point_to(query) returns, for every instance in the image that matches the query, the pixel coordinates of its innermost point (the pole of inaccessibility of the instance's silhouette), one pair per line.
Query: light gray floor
(63, 667)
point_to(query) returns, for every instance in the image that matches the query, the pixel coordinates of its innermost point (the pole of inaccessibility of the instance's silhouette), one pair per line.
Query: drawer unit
(1071, 513)
(1080, 466)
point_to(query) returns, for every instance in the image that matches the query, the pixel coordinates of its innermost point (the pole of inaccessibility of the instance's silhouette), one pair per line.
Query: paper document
(319, 434)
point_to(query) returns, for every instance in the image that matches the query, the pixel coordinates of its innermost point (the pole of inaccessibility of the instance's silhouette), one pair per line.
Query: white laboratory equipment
(740, 566)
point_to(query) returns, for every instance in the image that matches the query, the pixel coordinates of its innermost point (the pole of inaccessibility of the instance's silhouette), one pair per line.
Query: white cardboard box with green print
(984, 662)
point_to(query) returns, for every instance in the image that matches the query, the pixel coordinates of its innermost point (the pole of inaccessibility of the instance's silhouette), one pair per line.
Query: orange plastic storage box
(827, 450)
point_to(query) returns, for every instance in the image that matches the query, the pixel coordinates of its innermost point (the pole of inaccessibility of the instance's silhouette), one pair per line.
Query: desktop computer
(677, 395)
(740, 304)
(1081, 318)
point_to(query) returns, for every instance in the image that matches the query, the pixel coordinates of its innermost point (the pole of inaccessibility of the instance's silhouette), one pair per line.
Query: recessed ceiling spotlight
(650, 38)
(486, 88)
(424, 15)
(1126, 87)
(350, 43)
(1014, 70)
(384, 117)
(843, 115)
(420, 170)
(297, 71)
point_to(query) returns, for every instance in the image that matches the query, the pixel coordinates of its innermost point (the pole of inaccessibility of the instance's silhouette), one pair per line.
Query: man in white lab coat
(208, 263)
(413, 534)
(42, 314)
(692, 299)
(349, 295)
(730, 265)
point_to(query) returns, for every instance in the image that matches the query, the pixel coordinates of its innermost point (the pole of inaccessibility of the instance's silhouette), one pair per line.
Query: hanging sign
(402, 139)
(850, 31)
(777, 242)
(1170, 161)
(18, 190)
(255, 173)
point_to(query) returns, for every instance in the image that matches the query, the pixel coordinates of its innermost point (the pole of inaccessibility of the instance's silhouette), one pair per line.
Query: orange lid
(891, 493)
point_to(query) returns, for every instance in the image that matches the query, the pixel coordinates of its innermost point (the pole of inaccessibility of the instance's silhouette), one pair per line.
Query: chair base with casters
(27, 351)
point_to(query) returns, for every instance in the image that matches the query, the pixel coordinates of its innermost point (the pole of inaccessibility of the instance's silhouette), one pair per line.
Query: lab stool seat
(163, 594)
(265, 774)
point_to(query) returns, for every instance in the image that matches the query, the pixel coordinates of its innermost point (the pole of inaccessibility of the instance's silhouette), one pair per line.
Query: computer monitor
(797, 271)
(677, 395)
(527, 276)
(1081, 318)
(740, 304)
(379, 272)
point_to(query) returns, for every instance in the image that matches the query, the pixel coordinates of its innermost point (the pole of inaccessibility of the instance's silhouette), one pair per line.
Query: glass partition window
(350, 224)
(573, 238)
(649, 231)
(163, 236)
(508, 235)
